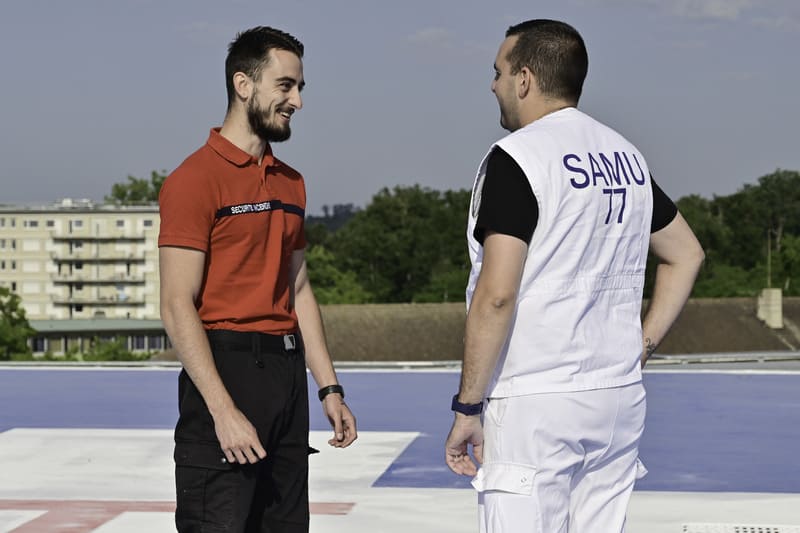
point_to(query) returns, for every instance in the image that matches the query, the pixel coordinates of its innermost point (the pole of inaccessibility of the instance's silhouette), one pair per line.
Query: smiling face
(504, 87)
(276, 96)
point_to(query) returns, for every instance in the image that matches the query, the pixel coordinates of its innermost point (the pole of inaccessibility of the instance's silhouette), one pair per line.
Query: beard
(259, 123)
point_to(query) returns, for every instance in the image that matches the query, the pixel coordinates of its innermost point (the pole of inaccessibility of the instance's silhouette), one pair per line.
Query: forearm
(318, 358)
(487, 327)
(673, 285)
(188, 337)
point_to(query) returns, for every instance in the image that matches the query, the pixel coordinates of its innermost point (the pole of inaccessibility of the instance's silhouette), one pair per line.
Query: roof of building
(83, 205)
(95, 324)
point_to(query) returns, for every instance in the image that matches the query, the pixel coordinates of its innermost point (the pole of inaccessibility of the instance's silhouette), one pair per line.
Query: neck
(543, 108)
(237, 130)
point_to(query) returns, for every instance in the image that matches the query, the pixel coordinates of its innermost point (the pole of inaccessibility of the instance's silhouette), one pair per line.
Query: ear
(243, 85)
(525, 81)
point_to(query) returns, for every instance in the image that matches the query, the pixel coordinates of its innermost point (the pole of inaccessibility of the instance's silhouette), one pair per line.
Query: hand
(237, 437)
(342, 421)
(466, 430)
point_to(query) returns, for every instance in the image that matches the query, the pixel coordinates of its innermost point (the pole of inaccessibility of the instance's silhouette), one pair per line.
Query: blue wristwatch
(468, 409)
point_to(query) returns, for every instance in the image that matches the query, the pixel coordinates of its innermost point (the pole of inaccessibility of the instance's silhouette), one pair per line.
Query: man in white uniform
(562, 214)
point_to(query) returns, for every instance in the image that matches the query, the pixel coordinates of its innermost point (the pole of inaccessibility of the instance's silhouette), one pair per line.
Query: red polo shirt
(248, 219)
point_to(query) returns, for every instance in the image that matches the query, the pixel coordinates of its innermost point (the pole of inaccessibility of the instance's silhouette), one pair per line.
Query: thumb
(477, 451)
(336, 418)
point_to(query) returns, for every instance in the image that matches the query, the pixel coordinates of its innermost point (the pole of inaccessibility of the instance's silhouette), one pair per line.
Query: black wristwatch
(324, 391)
(468, 409)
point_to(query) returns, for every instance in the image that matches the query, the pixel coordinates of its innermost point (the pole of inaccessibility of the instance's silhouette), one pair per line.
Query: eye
(496, 74)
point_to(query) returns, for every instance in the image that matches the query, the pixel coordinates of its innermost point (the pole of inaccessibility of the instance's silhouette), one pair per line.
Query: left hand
(466, 430)
(342, 421)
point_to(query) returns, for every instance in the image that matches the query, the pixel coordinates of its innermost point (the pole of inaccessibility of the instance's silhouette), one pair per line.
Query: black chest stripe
(270, 205)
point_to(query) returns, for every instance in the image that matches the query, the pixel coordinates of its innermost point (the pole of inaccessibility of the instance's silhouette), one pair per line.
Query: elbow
(498, 301)
(699, 256)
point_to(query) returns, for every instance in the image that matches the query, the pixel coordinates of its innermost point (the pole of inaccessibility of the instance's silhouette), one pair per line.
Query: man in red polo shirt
(235, 300)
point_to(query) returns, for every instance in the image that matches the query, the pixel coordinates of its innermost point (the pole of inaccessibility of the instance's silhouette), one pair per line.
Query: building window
(39, 344)
(156, 342)
(2, 265)
(78, 265)
(13, 265)
(79, 308)
(13, 222)
(77, 223)
(79, 286)
(148, 223)
(31, 223)
(2, 222)
(13, 244)
(120, 223)
(77, 244)
(2, 243)
(139, 342)
(50, 223)
(13, 286)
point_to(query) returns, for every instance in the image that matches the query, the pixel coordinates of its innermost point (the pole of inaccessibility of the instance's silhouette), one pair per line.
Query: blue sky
(398, 92)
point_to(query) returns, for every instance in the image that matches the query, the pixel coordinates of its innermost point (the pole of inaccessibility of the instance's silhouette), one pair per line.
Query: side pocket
(641, 471)
(201, 455)
(206, 487)
(514, 478)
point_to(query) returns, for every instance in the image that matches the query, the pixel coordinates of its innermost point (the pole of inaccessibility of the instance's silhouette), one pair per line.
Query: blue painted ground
(718, 432)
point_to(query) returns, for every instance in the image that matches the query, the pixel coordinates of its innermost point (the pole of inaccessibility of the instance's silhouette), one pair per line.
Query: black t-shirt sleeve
(507, 203)
(664, 209)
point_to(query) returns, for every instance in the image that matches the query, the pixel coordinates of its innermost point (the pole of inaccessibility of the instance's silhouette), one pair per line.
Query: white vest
(577, 323)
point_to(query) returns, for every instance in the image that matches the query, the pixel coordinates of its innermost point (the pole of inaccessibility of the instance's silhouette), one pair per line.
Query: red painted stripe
(83, 516)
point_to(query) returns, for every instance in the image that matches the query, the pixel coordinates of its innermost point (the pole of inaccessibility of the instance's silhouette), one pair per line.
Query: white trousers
(560, 462)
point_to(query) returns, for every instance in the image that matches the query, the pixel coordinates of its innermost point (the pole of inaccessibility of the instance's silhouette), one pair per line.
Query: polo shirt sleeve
(187, 209)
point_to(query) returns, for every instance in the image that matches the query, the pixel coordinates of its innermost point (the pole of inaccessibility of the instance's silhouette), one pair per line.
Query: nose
(295, 99)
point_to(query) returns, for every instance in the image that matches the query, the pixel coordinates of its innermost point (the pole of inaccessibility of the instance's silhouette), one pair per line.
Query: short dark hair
(249, 53)
(556, 54)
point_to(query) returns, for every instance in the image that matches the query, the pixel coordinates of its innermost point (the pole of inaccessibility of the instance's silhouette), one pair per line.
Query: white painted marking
(12, 519)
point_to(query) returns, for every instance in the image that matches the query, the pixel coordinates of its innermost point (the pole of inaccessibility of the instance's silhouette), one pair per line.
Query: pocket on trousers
(207, 488)
(513, 478)
(200, 455)
(641, 471)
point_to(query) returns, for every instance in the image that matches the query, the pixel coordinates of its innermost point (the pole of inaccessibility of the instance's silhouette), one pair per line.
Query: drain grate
(738, 528)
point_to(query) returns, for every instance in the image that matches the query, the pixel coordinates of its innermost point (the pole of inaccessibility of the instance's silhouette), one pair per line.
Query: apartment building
(79, 260)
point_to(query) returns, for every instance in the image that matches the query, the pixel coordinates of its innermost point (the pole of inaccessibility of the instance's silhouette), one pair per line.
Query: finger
(350, 432)
(259, 449)
(240, 456)
(229, 456)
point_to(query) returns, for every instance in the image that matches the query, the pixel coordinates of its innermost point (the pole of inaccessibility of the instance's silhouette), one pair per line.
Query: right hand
(237, 437)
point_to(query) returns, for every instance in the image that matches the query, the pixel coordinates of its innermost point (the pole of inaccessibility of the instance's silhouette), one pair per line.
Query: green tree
(14, 327)
(401, 238)
(137, 190)
(331, 285)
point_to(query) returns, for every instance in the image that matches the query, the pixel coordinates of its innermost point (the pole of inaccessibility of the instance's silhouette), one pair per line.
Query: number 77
(611, 193)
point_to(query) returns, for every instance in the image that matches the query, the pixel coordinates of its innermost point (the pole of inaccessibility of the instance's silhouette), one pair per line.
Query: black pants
(266, 377)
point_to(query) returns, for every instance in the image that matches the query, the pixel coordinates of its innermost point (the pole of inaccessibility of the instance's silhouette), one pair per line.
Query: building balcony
(109, 236)
(97, 301)
(113, 279)
(96, 257)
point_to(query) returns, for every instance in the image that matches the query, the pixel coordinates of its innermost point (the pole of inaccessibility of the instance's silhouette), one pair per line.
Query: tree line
(408, 244)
